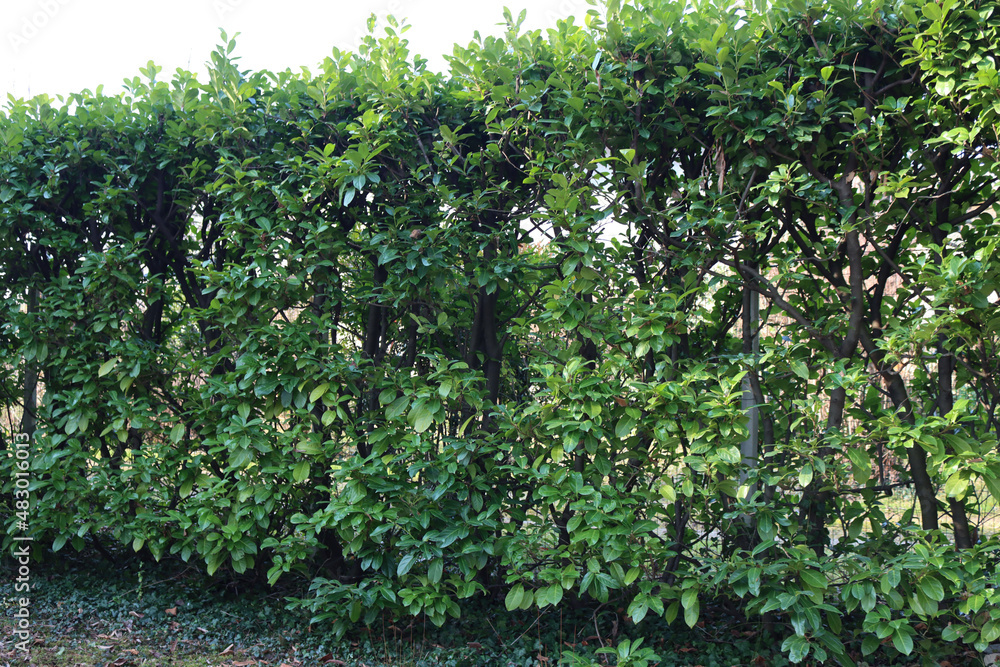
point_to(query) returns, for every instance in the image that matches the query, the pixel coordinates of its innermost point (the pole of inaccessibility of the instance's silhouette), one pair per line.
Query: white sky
(62, 46)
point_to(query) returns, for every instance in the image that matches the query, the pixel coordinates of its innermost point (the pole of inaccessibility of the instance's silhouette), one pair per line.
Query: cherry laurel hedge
(508, 331)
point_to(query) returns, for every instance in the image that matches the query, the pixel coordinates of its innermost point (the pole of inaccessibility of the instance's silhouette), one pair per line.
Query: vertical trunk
(916, 457)
(373, 323)
(484, 339)
(766, 425)
(816, 500)
(370, 351)
(321, 336)
(946, 361)
(491, 344)
(749, 448)
(151, 321)
(30, 395)
(946, 401)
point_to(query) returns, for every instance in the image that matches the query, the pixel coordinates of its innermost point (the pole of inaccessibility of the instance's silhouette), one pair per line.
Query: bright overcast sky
(63, 46)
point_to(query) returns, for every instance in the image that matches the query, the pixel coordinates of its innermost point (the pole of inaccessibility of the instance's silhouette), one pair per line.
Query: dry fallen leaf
(170, 612)
(227, 650)
(137, 614)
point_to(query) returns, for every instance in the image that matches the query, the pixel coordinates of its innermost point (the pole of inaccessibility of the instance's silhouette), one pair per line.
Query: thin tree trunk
(946, 361)
(30, 395)
(946, 401)
(749, 448)
(916, 456)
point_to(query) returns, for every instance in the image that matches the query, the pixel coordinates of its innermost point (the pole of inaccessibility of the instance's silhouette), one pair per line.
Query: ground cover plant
(653, 310)
(170, 613)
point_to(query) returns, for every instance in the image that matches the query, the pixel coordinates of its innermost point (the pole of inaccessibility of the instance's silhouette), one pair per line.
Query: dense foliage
(91, 611)
(655, 309)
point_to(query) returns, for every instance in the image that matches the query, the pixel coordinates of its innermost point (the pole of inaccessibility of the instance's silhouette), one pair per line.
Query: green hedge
(425, 337)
